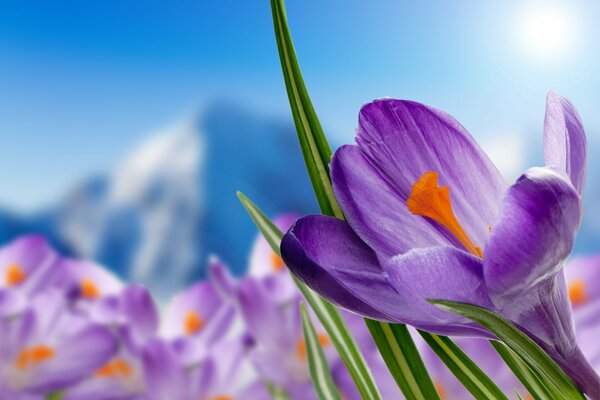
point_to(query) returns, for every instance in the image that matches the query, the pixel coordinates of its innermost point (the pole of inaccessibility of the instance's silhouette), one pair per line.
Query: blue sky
(82, 82)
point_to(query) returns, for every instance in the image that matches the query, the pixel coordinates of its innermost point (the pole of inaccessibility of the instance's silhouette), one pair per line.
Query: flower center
(89, 290)
(301, 346)
(276, 262)
(115, 368)
(577, 292)
(14, 275)
(32, 356)
(429, 200)
(221, 397)
(192, 323)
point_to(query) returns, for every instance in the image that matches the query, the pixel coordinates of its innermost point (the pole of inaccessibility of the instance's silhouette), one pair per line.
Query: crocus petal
(12, 302)
(261, 314)
(76, 357)
(330, 258)
(444, 273)
(202, 301)
(32, 257)
(404, 139)
(540, 216)
(141, 311)
(253, 391)
(263, 262)
(76, 276)
(165, 378)
(375, 209)
(565, 146)
(220, 276)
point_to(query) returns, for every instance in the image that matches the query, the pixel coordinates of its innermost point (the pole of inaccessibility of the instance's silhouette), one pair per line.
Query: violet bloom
(86, 282)
(268, 301)
(196, 319)
(218, 377)
(25, 267)
(279, 353)
(430, 216)
(47, 348)
(133, 316)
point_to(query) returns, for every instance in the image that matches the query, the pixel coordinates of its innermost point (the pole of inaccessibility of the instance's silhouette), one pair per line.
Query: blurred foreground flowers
(71, 328)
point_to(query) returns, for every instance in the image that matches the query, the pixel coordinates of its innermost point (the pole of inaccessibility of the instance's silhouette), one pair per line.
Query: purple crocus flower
(279, 353)
(196, 319)
(86, 282)
(430, 216)
(133, 316)
(47, 348)
(218, 377)
(25, 266)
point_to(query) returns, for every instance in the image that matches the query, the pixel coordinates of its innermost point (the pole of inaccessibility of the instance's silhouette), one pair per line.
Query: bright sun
(547, 31)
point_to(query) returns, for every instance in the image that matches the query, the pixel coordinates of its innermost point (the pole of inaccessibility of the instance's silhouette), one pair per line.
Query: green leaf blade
(552, 376)
(400, 354)
(315, 149)
(465, 370)
(317, 364)
(522, 371)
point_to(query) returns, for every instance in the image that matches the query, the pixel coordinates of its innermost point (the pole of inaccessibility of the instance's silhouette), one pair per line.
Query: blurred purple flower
(47, 348)
(85, 282)
(196, 319)
(133, 316)
(407, 239)
(26, 266)
(218, 377)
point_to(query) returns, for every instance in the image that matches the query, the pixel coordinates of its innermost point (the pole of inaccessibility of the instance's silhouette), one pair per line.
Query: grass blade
(327, 314)
(402, 358)
(552, 376)
(527, 377)
(465, 370)
(317, 364)
(313, 143)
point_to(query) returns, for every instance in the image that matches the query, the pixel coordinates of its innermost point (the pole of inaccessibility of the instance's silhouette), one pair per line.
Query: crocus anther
(89, 290)
(192, 323)
(117, 367)
(14, 275)
(429, 200)
(577, 292)
(276, 262)
(301, 346)
(33, 356)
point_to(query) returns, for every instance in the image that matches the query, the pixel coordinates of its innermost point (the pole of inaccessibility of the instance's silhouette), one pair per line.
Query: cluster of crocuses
(72, 330)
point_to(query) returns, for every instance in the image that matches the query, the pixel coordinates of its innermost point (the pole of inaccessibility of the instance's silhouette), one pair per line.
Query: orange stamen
(577, 292)
(301, 346)
(14, 275)
(429, 200)
(221, 397)
(117, 367)
(33, 356)
(192, 323)
(276, 262)
(89, 290)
